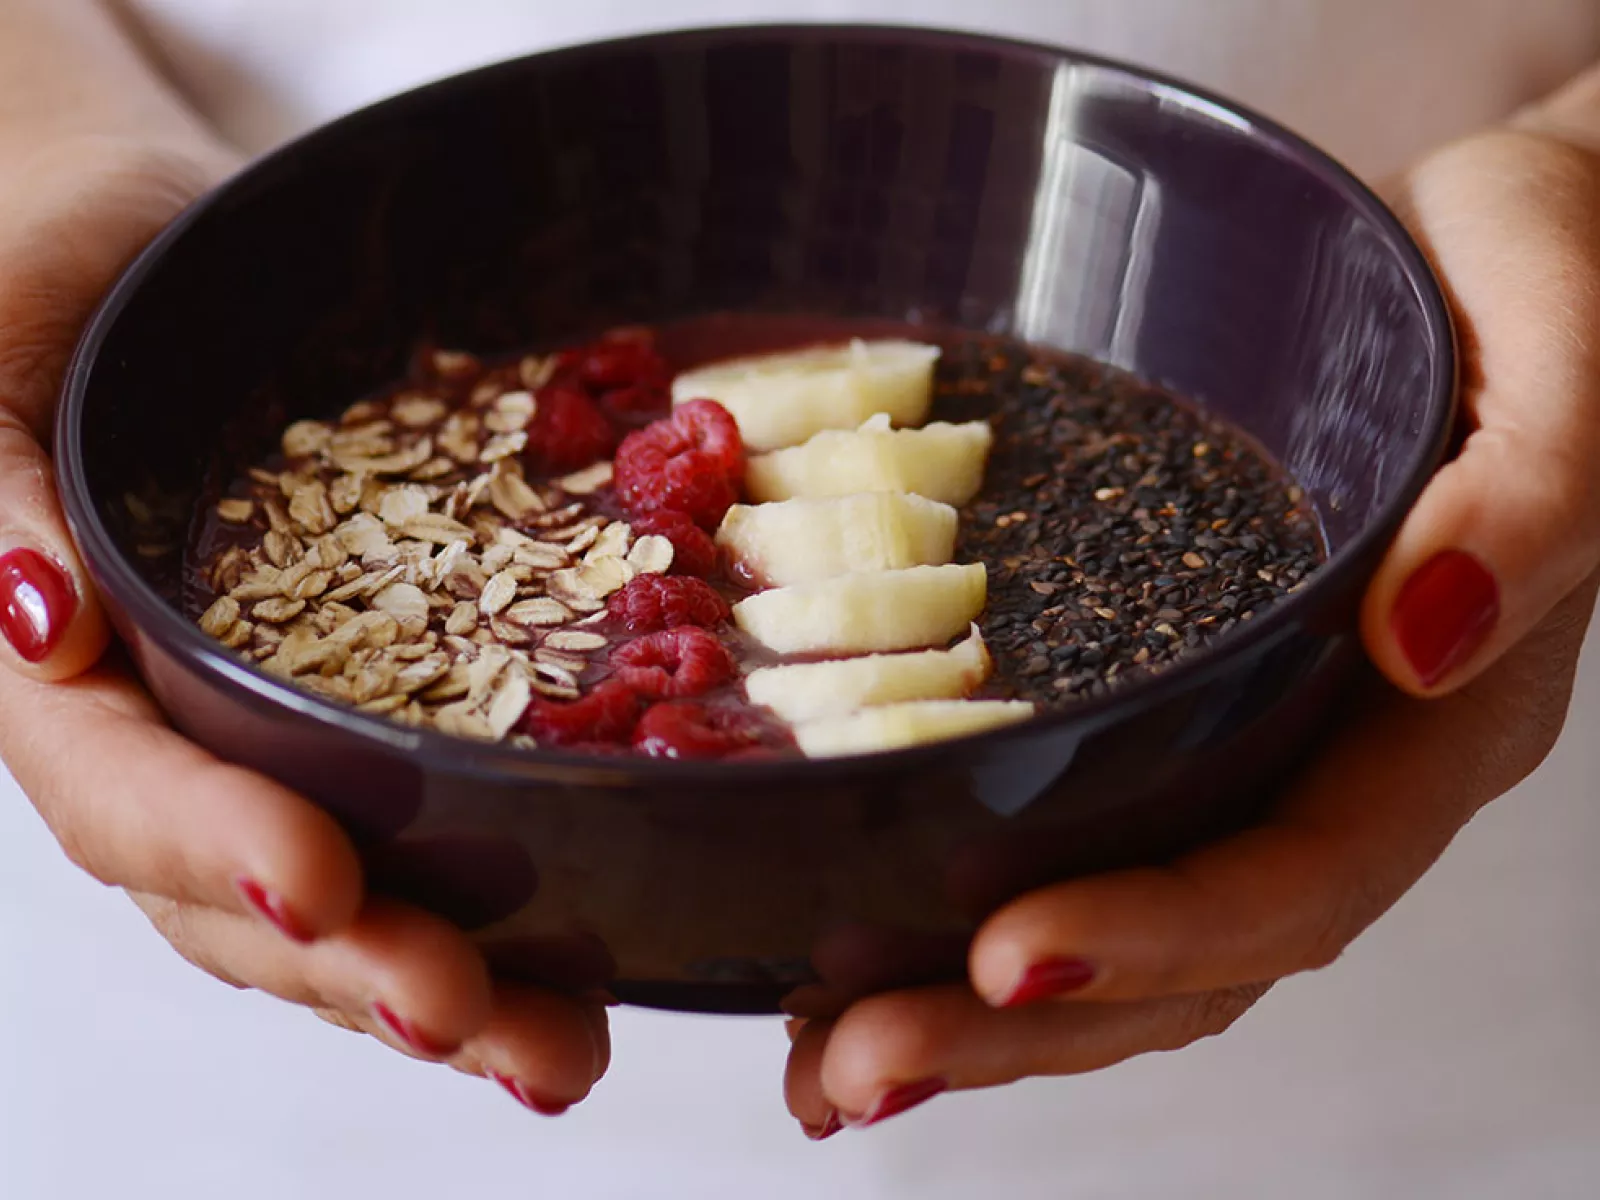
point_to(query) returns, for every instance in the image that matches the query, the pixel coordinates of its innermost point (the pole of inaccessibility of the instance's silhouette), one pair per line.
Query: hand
(1476, 618)
(247, 880)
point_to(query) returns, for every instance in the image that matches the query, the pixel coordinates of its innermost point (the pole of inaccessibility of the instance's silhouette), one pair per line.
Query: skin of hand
(1475, 619)
(247, 880)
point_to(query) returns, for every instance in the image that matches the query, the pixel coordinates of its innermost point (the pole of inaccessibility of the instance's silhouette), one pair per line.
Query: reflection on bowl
(864, 173)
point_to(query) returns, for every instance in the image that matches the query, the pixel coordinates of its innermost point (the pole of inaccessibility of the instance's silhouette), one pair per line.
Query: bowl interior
(871, 173)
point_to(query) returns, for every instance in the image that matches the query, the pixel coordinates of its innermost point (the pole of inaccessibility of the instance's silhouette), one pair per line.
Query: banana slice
(807, 691)
(941, 461)
(782, 399)
(896, 726)
(867, 612)
(798, 541)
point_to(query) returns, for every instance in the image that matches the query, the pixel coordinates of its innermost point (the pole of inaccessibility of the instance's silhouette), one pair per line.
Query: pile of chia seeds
(1123, 529)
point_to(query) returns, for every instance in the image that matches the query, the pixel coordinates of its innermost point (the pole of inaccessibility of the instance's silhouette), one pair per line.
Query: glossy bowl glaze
(874, 173)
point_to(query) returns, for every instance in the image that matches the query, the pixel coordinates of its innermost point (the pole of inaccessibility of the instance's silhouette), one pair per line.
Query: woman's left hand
(1476, 619)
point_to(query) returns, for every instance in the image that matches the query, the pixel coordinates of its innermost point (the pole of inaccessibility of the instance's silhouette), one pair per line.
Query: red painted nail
(271, 906)
(408, 1033)
(545, 1108)
(1443, 614)
(37, 601)
(898, 1100)
(1053, 977)
(829, 1127)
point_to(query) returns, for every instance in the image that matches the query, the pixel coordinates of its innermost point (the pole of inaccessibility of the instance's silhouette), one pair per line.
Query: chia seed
(1158, 532)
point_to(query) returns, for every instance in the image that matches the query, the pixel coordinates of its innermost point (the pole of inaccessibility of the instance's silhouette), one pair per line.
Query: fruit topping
(805, 691)
(625, 373)
(690, 462)
(896, 726)
(654, 602)
(605, 715)
(799, 541)
(782, 399)
(567, 430)
(693, 551)
(674, 664)
(689, 729)
(867, 612)
(940, 461)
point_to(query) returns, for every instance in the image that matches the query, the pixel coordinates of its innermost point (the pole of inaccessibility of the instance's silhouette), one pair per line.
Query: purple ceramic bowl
(879, 173)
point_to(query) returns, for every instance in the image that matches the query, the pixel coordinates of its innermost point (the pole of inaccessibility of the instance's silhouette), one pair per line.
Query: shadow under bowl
(860, 172)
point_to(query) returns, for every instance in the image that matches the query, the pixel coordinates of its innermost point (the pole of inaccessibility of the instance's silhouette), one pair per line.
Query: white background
(1454, 1052)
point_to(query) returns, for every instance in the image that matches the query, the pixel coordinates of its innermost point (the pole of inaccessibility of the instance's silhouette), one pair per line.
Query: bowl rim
(180, 639)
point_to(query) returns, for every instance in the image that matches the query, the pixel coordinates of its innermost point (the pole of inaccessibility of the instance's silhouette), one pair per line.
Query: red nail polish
(272, 908)
(1053, 977)
(37, 601)
(1443, 614)
(409, 1034)
(898, 1100)
(545, 1108)
(829, 1127)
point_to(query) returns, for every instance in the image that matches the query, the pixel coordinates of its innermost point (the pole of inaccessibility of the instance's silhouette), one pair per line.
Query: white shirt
(1375, 81)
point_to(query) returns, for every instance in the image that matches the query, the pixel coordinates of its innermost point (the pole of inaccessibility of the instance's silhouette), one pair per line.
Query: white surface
(1455, 1052)
(1377, 81)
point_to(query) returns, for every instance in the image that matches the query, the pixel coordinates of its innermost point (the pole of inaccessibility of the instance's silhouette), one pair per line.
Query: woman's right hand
(245, 879)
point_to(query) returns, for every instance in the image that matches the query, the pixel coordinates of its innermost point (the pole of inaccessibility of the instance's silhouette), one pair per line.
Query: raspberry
(690, 462)
(638, 399)
(606, 714)
(693, 551)
(653, 602)
(623, 370)
(707, 426)
(687, 729)
(673, 664)
(607, 365)
(568, 431)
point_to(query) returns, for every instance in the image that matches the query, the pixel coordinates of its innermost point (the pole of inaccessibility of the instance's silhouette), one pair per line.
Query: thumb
(68, 224)
(52, 624)
(1512, 525)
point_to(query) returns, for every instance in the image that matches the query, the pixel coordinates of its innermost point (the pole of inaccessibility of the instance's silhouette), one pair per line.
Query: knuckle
(85, 862)
(77, 848)
(339, 1019)
(1353, 905)
(1332, 935)
(1541, 732)
(74, 831)
(176, 924)
(1214, 1013)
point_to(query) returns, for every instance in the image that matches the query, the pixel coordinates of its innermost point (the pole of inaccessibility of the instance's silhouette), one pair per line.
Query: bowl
(855, 172)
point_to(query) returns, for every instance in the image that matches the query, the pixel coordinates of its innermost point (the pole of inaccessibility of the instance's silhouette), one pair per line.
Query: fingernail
(408, 1033)
(271, 906)
(545, 1108)
(1052, 977)
(1443, 614)
(898, 1100)
(37, 601)
(829, 1127)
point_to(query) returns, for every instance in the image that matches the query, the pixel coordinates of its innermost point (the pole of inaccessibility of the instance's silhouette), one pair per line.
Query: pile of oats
(400, 561)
